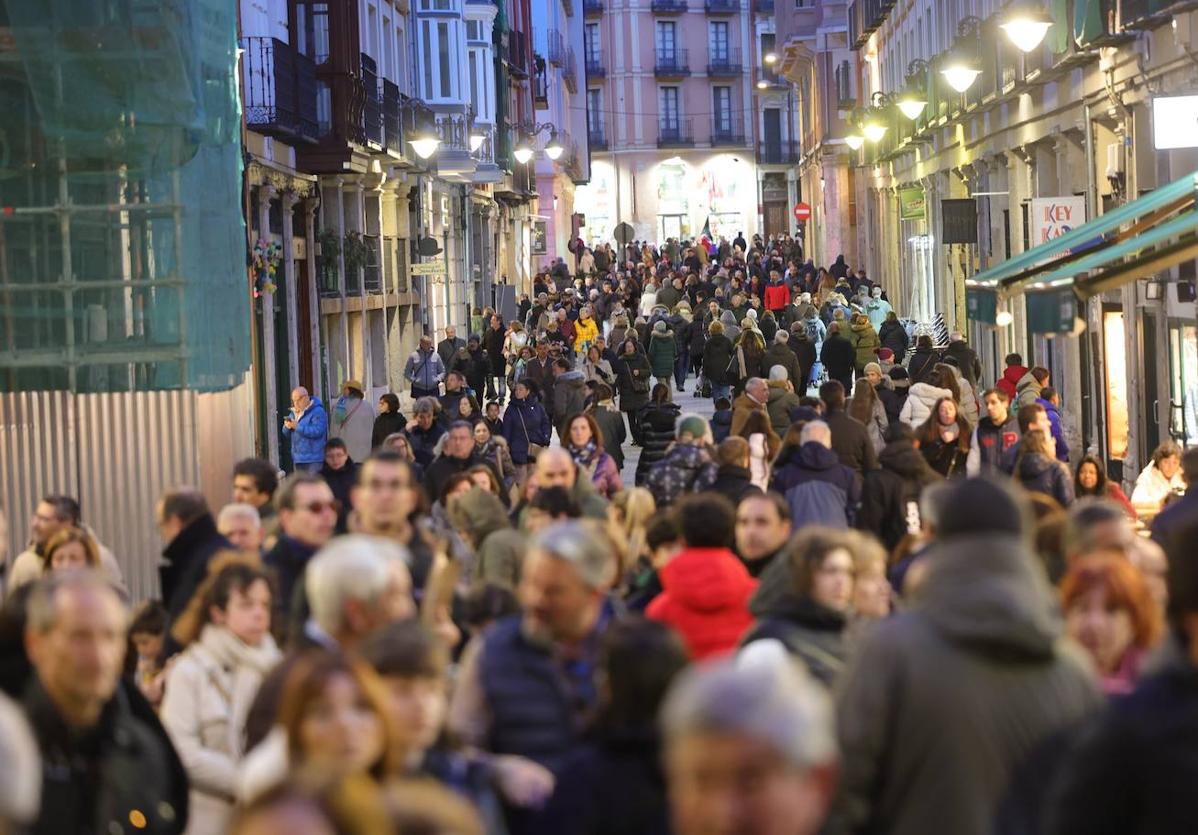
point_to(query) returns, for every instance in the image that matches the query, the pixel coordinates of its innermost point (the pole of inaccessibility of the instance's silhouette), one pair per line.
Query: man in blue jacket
(307, 427)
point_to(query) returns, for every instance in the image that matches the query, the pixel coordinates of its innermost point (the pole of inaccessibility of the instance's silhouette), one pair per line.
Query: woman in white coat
(211, 685)
(921, 400)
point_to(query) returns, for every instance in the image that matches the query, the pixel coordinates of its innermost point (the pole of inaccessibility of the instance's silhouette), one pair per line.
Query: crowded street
(383, 451)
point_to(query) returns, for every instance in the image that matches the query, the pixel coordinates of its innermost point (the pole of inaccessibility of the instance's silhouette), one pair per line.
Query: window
(595, 112)
(372, 31)
(591, 42)
(667, 32)
(474, 82)
(443, 55)
(718, 43)
(436, 5)
(767, 44)
(667, 102)
(426, 47)
(312, 30)
(474, 29)
(440, 59)
(721, 109)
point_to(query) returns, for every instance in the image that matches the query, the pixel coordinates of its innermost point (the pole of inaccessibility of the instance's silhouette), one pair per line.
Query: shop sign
(959, 221)
(912, 203)
(1052, 217)
(981, 305)
(539, 243)
(1175, 122)
(1051, 311)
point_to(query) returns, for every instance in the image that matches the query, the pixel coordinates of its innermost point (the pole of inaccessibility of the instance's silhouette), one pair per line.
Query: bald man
(555, 468)
(307, 427)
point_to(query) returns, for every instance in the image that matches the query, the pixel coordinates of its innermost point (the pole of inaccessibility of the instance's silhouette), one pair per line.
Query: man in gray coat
(943, 702)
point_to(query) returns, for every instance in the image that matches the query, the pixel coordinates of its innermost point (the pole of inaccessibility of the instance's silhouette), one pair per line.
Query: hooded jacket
(839, 358)
(706, 599)
(498, 548)
(585, 332)
(819, 489)
(865, 342)
(805, 352)
(890, 495)
(893, 335)
(989, 444)
(782, 400)
(778, 354)
(1010, 379)
(1041, 474)
(1058, 434)
(717, 356)
(569, 398)
(662, 351)
(809, 631)
(686, 468)
(969, 401)
(777, 296)
(942, 702)
(1027, 391)
(658, 422)
(921, 400)
(967, 360)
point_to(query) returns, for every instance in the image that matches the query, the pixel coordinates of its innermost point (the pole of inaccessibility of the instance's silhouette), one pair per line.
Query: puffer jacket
(525, 422)
(685, 468)
(1027, 391)
(706, 599)
(890, 495)
(717, 355)
(969, 400)
(921, 363)
(662, 351)
(721, 424)
(807, 467)
(585, 332)
(658, 423)
(309, 435)
(893, 335)
(865, 342)
(782, 401)
(1041, 474)
(921, 400)
(569, 398)
(1010, 379)
(987, 621)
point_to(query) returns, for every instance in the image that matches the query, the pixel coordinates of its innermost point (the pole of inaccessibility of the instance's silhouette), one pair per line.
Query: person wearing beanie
(663, 351)
(688, 466)
(987, 621)
(779, 353)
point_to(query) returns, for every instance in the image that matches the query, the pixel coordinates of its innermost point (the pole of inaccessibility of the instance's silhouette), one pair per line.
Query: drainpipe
(1092, 356)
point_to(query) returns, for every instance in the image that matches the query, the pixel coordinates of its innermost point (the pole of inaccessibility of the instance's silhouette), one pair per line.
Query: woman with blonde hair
(628, 516)
(70, 549)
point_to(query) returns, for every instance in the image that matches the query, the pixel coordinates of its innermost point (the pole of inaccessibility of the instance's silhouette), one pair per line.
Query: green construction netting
(122, 242)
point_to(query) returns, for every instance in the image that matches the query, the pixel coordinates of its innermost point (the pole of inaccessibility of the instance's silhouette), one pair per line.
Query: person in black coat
(698, 343)
(192, 540)
(922, 361)
(613, 784)
(838, 357)
(340, 472)
(966, 357)
(717, 355)
(893, 335)
(493, 339)
(733, 479)
(894, 396)
(389, 421)
(804, 350)
(890, 495)
(657, 424)
(634, 383)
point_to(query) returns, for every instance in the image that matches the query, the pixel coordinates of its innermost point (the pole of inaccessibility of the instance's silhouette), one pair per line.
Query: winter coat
(685, 468)
(706, 599)
(569, 398)
(943, 701)
(731, 325)
(1152, 488)
(894, 397)
(945, 457)
(1041, 474)
(424, 441)
(717, 356)
(662, 351)
(839, 359)
(781, 355)
(425, 369)
(805, 354)
(475, 366)
(602, 471)
(877, 310)
(309, 435)
(721, 425)
(634, 382)
(525, 422)
(209, 690)
(920, 364)
(850, 441)
(921, 400)
(91, 782)
(890, 495)
(733, 483)
(989, 444)
(1095, 791)
(777, 296)
(968, 405)
(599, 372)
(611, 424)
(658, 424)
(186, 562)
(1058, 434)
(893, 335)
(697, 336)
(865, 343)
(287, 559)
(819, 489)
(1010, 379)
(812, 633)
(817, 331)
(1027, 391)
(782, 401)
(387, 423)
(742, 407)
(493, 342)
(967, 361)
(352, 420)
(586, 330)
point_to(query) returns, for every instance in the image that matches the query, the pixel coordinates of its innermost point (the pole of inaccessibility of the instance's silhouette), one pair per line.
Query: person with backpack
(819, 489)
(923, 360)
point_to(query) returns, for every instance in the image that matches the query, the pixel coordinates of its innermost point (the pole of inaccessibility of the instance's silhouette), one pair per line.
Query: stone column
(289, 199)
(270, 393)
(314, 313)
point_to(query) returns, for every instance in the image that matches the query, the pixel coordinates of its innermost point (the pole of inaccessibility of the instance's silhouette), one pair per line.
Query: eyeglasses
(316, 508)
(393, 484)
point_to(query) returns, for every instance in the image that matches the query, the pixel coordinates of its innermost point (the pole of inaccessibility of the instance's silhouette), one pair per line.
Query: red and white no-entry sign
(802, 212)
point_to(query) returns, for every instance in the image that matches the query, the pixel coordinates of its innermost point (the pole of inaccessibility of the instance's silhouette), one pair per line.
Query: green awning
(1057, 259)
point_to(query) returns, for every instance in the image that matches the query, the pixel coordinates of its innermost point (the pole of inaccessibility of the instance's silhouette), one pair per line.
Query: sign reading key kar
(1052, 217)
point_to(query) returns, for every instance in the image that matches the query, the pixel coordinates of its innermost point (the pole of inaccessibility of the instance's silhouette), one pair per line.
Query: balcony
(279, 89)
(865, 17)
(724, 63)
(763, 6)
(597, 138)
(570, 71)
(726, 134)
(782, 152)
(594, 64)
(675, 133)
(673, 63)
(591, 8)
(556, 52)
(722, 7)
(372, 104)
(393, 115)
(540, 83)
(668, 7)
(517, 54)
(1144, 14)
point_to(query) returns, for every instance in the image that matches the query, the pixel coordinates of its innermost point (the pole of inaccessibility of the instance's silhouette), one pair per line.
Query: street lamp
(523, 152)
(874, 129)
(770, 57)
(553, 149)
(913, 99)
(1026, 26)
(962, 68)
(425, 143)
(854, 140)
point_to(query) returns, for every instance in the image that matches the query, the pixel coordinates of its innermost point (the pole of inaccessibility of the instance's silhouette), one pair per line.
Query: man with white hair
(753, 399)
(818, 488)
(353, 585)
(241, 525)
(526, 686)
(749, 749)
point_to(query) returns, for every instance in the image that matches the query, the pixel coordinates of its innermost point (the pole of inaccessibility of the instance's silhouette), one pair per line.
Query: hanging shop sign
(981, 305)
(959, 221)
(1174, 122)
(1052, 217)
(1051, 312)
(539, 242)
(912, 203)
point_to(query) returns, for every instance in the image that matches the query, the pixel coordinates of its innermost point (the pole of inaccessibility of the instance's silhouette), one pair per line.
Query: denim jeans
(718, 391)
(310, 467)
(681, 366)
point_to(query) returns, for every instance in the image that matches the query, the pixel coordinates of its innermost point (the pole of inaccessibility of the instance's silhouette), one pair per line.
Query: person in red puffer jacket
(707, 589)
(1015, 371)
(777, 294)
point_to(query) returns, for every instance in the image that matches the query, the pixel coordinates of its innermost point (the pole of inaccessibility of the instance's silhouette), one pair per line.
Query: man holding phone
(307, 427)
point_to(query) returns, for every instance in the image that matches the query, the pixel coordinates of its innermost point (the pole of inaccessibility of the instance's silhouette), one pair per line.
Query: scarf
(585, 456)
(342, 409)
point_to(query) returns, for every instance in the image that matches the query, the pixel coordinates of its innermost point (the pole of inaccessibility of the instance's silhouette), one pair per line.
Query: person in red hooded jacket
(707, 589)
(1015, 371)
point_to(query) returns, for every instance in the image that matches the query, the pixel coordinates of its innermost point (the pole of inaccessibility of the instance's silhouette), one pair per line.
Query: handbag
(534, 450)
